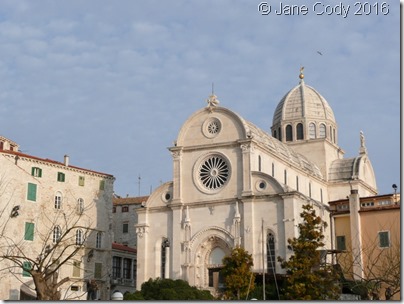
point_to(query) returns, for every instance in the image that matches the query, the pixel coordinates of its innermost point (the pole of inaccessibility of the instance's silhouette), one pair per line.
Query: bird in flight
(320, 53)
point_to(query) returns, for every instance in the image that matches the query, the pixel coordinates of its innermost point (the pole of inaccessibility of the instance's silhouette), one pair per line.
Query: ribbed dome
(302, 102)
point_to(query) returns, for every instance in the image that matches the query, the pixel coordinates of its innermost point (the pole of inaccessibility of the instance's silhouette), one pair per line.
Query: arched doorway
(208, 254)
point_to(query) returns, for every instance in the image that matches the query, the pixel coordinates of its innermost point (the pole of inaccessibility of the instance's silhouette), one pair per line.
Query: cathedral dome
(303, 101)
(303, 114)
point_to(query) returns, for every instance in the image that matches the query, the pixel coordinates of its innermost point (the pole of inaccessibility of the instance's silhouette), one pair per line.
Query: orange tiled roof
(118, 246)
(19, 154)
(129, 200)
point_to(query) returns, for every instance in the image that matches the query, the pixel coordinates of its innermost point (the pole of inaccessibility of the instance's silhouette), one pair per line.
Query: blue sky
(110, 83)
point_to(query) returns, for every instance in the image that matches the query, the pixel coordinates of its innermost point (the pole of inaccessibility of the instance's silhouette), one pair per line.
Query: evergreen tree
(238, 277)
(306, 278)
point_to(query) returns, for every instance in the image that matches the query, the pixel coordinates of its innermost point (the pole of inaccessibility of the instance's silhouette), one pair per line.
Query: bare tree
(381, 267)
(60, 235)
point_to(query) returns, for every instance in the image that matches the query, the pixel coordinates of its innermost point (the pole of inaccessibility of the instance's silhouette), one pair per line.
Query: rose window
(211, 127)
(214, 172)
(214, 127)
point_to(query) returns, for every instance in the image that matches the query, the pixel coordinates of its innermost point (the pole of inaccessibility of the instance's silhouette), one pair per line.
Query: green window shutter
(81, 180)
(98, 270)
(37, 172)
(384, 239)
(61, 177)
(76, 269)
(102, 184)
(29, 231)
(341, 245)
(31, 195)
(26, 266)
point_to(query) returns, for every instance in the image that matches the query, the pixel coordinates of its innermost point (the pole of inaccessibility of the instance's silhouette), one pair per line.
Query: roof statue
(362, 149)
(212, 101)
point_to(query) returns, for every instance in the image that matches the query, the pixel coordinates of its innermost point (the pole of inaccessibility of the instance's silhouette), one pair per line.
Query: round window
(213, 172)
(212, 127)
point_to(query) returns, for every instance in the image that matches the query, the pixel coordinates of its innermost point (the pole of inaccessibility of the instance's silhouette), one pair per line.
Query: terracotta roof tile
(129, 200)
(118, 246)
(19, 154)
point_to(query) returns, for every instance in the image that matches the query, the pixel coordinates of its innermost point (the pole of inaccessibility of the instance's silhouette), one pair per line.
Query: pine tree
(306, 278)
(238, 277)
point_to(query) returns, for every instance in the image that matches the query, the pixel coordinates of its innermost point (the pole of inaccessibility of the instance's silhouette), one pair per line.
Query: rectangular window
(29, 231)
(125, 227)
(98, 270)
(31, 194)
(125, 209)
(116, 267)
(76, 269)
(37, 172)
(61, 177)
(75, 288)
(384, 239)
(98, 240)
(102, 184)
(81, 181)
(127, 268)
(26, 266)
(341, 245)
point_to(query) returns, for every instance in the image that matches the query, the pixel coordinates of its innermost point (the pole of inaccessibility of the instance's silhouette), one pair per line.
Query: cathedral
(235, 184)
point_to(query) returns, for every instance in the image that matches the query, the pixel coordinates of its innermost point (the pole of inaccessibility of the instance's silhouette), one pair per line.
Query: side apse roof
(344, 169)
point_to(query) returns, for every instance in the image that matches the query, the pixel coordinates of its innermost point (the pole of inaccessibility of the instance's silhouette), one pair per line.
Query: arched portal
(209, 248)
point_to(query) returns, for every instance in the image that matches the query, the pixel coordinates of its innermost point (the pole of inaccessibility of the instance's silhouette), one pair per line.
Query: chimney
(66, 161)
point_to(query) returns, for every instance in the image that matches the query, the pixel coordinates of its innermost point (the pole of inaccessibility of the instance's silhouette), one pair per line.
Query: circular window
(261, 185)
(166, 197)
(213, 172)
(212, 127)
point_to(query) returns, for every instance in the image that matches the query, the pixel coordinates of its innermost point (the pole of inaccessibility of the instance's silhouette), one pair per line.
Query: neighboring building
(125, 218)
(40, 199)
(369, 230)
(123, 272)
(234, 184)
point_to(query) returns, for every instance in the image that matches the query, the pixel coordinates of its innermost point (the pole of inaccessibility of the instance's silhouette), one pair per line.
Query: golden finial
(301, 76)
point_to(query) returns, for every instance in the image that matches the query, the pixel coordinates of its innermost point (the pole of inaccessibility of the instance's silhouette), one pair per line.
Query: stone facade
(36, 196)
(125, 218)
(234, 184)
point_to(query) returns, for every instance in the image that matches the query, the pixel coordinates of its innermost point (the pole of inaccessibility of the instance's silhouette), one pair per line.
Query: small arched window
(79, 237)
(57, 233)
(275, 133)
(285, 177)
(322, 132)
(271, 253)
(259, 163)
(289, 135)
(279, 134)
(333, 135)
(98, 240)
(299, 131)
(58, 200)
(80, 206)
(312, 130)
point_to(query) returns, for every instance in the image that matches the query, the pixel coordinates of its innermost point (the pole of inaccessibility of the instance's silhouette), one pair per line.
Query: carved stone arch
(202, 245)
